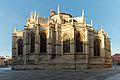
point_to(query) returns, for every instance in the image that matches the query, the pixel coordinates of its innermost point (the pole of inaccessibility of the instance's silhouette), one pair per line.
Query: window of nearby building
(79, 42)
(66, 44)
(20, 46)
(43, 45)
(32, 50)
(96, 47)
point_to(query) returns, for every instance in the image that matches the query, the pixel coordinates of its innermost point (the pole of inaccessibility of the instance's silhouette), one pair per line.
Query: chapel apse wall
(60, 41)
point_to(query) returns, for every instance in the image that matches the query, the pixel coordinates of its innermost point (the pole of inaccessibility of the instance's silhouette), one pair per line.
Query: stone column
(26, 44)
(72, 42)
(86, 47)
(91, 43)
(14, 55)
(37, 48)
(102, 46)
(58, 39)
(105, 49)
(49, 42)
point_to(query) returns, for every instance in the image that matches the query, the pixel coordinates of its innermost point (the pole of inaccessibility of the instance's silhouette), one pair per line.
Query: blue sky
(102, 12)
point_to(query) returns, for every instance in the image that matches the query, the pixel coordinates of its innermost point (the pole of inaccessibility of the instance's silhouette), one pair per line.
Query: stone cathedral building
(60, 41)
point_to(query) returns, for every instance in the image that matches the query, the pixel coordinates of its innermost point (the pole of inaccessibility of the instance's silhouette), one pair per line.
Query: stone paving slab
(90, 74)
(114, 77)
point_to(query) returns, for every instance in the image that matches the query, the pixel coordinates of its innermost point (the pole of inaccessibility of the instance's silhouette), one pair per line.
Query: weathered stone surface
(60, 42)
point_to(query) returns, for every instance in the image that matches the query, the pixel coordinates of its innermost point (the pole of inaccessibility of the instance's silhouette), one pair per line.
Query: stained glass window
(43, 47)
(79, 42)
(32, 43)
(66, 44)
(20, 47)
(96, 47)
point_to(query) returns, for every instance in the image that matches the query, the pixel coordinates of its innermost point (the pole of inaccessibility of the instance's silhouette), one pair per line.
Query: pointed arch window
(66, 44)
(96, 47)
(43, 43)
(108, 44)
(79, 42)
(20, 46)
(32, 49)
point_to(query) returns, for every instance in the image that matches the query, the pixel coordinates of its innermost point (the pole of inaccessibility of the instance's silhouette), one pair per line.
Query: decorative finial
(35, 14)
(91, 22)
(101, 29)
(83, 13)
(59, 20)
(31, 16)
(14, 30)
(106, 34)
(58, 9)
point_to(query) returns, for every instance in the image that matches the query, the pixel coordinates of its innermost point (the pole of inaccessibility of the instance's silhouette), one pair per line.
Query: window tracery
(43, 47)
(32, 49)
(79, 42)
(66, 44)
(20, 46)
(96, 47)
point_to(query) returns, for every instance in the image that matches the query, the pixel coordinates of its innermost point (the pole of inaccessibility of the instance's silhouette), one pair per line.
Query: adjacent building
(5, 61)
(60, 41)
(116, 59)
(2, 59)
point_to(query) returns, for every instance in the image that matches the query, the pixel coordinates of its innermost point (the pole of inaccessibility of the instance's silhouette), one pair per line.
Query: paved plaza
(91, 74)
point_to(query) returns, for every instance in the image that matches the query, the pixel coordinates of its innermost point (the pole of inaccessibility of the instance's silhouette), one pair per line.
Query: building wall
(116, 59)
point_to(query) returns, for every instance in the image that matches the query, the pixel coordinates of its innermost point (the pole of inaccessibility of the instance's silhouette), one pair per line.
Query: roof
(62, 13)
(117, 54)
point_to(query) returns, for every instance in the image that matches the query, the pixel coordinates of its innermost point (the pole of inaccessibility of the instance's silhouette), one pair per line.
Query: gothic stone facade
(60, 42)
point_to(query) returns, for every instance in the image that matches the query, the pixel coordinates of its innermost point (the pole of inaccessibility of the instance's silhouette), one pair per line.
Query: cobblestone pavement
(91, 74)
